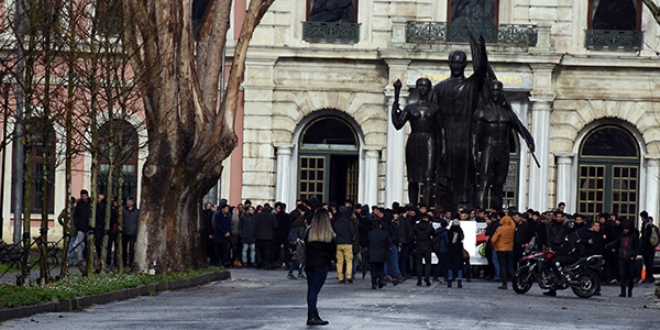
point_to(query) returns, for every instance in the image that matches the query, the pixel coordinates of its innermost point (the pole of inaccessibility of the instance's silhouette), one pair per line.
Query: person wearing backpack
(649, 240)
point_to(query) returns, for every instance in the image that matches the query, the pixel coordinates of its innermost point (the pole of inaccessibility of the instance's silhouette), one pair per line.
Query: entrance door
(328, 161)
(609, 173)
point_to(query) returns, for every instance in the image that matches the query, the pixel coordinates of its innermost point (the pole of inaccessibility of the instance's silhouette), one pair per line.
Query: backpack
(654, 239)
(300, 255)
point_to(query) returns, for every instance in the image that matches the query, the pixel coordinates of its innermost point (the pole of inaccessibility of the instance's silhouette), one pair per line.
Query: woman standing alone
(321, 250)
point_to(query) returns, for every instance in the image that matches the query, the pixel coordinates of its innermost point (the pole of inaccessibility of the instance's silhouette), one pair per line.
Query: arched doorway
(608, 172)
(328, 160)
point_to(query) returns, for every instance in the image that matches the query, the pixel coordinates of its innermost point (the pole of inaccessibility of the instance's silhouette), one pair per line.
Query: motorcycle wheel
(522, 281)
(587, 285)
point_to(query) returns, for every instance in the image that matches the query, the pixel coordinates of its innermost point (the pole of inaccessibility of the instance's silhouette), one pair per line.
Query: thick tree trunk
(188, 137)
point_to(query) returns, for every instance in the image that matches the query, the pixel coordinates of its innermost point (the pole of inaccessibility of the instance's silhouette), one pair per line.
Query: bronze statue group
(458, 147)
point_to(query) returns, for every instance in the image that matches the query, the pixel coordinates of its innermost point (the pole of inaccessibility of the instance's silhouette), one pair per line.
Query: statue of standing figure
(422, 146)
(493, 123)
(457, 98)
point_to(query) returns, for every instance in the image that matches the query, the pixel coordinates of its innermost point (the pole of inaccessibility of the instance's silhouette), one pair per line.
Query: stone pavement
(259, 299)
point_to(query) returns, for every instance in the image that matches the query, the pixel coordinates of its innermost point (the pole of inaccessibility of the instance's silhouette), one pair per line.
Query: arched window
(328, 162)
(609, 172)
(42, 143)
(119, 142)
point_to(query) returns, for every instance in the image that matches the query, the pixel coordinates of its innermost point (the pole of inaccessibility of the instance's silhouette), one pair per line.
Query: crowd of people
(397, 243)
(81, 228)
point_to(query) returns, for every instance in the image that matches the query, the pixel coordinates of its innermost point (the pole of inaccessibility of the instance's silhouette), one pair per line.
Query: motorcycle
(581, 276)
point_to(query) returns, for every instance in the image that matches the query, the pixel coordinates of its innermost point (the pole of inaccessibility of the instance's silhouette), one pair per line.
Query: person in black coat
(207, 231)
(379, 247)
(556, 232)
(281, 235)
(523, 236)
(455, 253)
(345, 229)
(628, 248)
(81, 215)
(321, 250)
(264, 233)
(593, 240)
(423, 237)
(222, 235)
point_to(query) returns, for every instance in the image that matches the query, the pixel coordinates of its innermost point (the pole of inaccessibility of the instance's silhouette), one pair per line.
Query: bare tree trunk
(188, 137)
(108, 212)
(120, 223)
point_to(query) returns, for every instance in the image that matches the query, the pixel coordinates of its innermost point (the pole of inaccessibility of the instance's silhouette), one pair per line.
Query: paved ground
(255, 299)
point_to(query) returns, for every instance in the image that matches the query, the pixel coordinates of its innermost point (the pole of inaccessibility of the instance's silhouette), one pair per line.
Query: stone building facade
(586, 90)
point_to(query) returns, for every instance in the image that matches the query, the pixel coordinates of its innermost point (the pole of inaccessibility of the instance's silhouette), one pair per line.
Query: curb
(74, 304)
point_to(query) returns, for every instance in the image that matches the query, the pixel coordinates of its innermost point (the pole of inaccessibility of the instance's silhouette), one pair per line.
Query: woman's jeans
(450, 274)
(315, 280)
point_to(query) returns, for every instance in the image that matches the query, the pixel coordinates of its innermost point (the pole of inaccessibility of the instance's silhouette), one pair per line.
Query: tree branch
(211, 43)
(255, 13)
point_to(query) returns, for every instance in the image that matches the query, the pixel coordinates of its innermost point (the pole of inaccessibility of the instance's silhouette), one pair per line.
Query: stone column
(541, 106)
(564, 182)
(370, 175)
(652, 186)
(394, 156)
(283, 184)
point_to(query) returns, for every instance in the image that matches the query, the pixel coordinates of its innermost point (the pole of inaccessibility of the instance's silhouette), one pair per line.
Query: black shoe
(460, 285)
(313, 318)
(342, 281)
(381, 285)
(629, 293)
(419, 282)
(503, 287)
(428, 283)
(350, 281)
(550, 293)
(449, 284)
(622, 294)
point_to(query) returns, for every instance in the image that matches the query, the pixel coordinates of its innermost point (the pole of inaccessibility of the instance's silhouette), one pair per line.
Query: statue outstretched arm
(520, 128)
(480, 63)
